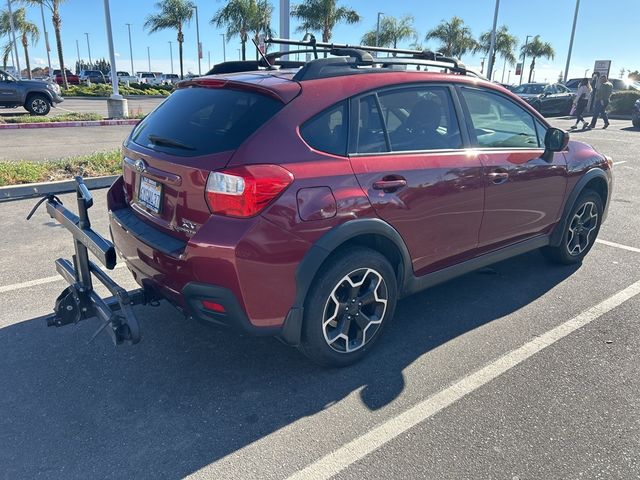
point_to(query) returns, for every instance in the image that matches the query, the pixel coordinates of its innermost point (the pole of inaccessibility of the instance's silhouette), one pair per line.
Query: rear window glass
(328, 131)
(200, 121)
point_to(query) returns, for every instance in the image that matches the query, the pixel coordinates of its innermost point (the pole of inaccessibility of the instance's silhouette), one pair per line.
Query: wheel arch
(38, 93)
(370, 233)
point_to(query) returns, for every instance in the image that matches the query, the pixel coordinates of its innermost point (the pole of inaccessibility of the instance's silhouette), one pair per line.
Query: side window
(328, 131)
(542, 132)
(371, 138)
(420, 119)
(498, 122)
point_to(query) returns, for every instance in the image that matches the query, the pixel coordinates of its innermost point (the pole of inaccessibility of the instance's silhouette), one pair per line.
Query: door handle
(390, 184)
(498, 176)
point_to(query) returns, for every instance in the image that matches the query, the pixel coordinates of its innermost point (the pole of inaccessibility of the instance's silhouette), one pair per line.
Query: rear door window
(498, 122)
(201, 121)
(328, 131)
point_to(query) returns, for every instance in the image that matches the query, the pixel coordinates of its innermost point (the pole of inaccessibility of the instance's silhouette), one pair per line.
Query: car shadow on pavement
(188, 395)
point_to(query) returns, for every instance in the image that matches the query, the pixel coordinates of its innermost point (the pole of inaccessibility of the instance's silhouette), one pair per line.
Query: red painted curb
(85, 123)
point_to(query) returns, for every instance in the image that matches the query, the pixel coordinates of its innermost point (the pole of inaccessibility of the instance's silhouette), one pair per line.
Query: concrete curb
(30, 190)
(78, 123)
(128, 97)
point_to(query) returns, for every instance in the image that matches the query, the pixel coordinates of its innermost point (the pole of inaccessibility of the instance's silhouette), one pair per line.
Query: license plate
(150, 194)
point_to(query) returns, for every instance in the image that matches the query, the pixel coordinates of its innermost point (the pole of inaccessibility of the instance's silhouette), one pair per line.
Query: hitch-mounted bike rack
(79, 301)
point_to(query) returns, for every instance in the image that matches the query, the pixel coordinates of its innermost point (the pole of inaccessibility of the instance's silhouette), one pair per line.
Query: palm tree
(24, 28)
(54, 7)
(239, 17)
(454, 36)
(504, 46)
(322, 16)
(392, 31)
(536, 48)
(173, 14)
(260, 23)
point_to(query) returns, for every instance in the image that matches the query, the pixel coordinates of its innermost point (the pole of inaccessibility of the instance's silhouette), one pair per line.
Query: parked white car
(170, 78)
(124, 77)
(149, 78)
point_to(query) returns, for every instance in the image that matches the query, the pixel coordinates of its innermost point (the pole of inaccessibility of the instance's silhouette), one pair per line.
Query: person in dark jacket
(603, 96)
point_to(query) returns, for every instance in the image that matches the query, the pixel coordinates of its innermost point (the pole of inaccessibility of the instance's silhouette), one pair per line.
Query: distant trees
(322, 16)
(454, 36)
(535, 49)
(392, 32)
(25, 31)
(505, 45)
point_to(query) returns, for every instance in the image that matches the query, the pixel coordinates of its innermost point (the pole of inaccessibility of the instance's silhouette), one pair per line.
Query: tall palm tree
(455, 37)
(238, 16)
(504, 46)
(322, 16)
(536, 48)
(392, 31)
(24, 28)
(173, 15)
(54, 8)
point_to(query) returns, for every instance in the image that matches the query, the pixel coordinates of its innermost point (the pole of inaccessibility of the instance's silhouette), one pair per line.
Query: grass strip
(66, 117)
(94, 165)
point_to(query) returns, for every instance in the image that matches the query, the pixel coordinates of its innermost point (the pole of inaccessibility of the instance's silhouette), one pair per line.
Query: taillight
(245, 191)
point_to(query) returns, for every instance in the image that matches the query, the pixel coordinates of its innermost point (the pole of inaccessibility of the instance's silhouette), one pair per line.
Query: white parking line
(38, 281)
(618, 245)
(620, 163)
(357, 449)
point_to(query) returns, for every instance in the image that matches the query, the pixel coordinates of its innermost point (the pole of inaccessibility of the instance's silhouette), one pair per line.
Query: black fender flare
(556, 235)
(322, 249)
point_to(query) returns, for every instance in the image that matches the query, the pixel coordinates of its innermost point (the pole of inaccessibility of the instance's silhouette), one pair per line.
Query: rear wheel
(347, 307)
(580, 232)
(38, 104)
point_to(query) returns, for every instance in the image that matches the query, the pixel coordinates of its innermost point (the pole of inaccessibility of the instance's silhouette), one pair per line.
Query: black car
(547, 98)
(635, 116)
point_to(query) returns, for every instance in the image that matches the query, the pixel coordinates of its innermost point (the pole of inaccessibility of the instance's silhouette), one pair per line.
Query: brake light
(245, 191)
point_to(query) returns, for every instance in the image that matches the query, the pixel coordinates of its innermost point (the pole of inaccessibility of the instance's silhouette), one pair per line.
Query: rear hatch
(170, 154)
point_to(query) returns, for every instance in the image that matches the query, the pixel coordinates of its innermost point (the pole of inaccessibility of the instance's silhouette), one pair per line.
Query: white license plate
(150, 194)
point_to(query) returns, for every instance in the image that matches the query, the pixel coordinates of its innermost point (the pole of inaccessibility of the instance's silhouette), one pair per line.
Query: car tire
(38, 104)
(580, 231)
(349, 303)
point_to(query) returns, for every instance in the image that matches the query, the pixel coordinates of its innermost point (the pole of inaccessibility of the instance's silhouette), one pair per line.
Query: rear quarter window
(328, 131)
(202, 121)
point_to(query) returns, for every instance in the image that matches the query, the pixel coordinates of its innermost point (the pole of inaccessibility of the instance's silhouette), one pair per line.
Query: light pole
(378, 30)
(492, 47)
(209, 58)
(509, 77)
(149, 57)
(586, 72)
(524, 56)
(503, 69)
(88, 48)
(130, 49)
(78, 52)
(46, 41)
(284, 22)
(224, 49)
(171, 55)
(15, 44)
(198, 40)
(573, 32)
(239, 56)
(116, 104)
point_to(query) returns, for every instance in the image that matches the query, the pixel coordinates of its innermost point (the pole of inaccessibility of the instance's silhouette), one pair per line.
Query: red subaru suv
(304, 203)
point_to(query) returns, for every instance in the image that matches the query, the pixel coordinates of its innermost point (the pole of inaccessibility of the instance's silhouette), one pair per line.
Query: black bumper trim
(127, 219)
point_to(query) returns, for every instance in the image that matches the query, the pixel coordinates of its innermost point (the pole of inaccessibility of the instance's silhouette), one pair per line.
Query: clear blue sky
(606, 30)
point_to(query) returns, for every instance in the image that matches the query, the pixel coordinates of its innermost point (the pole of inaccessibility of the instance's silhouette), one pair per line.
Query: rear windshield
(200, 121)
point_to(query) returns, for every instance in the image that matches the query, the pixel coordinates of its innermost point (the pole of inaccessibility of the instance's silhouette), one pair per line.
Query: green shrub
(66, 117)
(105, 90)
(622, 102)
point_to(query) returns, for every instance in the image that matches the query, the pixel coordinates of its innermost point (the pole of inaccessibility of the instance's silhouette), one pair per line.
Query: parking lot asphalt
(524, 370)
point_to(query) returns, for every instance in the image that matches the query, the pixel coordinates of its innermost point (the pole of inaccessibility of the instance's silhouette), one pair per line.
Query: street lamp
(224, 49)
(573, 32)
(116, 104)
(378, 30)
(88, 48)
(586, 72)
(78, 52)
(13, 35)
(130, 49)
(524, 56)
(492, 47)
(46, 42)
(149, 57)
(171, 55)
(284, 22)
(198, 40)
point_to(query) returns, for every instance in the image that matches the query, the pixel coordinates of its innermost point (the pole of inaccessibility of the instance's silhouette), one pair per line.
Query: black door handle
(498, 176)
(390, 184)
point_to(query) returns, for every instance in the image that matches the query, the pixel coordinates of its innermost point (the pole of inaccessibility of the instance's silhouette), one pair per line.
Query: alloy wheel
(583, 223)
(39, 105)
(355, 310)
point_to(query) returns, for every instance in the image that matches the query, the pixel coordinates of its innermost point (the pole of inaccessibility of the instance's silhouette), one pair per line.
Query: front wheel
(38, 105)
(580, 231)
(347, 306)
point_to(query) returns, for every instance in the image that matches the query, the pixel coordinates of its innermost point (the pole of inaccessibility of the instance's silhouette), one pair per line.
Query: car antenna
(264, 57)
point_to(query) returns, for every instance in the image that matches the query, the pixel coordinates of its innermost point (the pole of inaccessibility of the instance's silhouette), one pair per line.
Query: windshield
(529, 89)
(6, 77)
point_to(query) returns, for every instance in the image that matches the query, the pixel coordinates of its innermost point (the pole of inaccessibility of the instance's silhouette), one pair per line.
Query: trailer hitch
(79, 301)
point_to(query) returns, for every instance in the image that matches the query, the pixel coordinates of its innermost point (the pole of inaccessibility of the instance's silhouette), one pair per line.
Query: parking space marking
(72, 111)
(358, 448)
(619, 163)
(38, 281)
(618, 245)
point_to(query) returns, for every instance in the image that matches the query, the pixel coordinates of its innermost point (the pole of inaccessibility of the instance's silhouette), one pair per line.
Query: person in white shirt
(580, 102)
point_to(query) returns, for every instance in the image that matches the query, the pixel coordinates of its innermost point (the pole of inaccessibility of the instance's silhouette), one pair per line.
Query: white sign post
(602, 67)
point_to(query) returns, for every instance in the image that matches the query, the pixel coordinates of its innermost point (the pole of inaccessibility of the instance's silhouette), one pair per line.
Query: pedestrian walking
(580, 102)
(595, 83)
(603, 95)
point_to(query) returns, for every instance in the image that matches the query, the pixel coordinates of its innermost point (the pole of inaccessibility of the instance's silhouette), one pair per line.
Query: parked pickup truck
(36, 96)
(124, 77)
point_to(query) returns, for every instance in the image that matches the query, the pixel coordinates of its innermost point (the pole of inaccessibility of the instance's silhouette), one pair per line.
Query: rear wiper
(168, 142)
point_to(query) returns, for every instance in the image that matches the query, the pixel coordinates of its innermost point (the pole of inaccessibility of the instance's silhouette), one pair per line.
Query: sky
(602, 33)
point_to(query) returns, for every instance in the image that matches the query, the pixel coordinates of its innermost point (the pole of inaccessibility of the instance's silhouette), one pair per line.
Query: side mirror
(555, 140)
